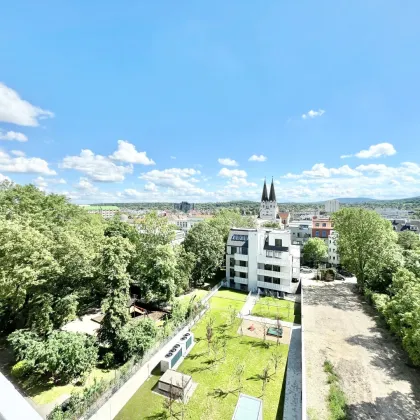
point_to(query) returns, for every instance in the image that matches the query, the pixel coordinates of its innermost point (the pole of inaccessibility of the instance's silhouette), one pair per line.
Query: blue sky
(128, 101)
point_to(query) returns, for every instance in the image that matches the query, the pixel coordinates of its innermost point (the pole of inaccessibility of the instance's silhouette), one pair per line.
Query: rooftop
(175, 378)
(248, 408)
(101, 208)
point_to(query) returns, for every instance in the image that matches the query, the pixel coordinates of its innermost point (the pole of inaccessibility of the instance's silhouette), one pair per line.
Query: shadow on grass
(197, 356)
(161, 415)
(260, 343)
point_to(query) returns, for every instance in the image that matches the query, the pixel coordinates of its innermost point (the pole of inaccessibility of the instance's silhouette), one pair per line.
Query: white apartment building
(187, 223)
(392, 213)
(301, 231)
(332, 205)
(333, 255)
(107, 212)
(262, 259)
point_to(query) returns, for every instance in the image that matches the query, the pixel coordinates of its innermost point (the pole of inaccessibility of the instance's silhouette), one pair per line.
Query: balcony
(284, 259)
(240, 280)
(241, 269)
(272, 286)
(240, 257)
(277, 274)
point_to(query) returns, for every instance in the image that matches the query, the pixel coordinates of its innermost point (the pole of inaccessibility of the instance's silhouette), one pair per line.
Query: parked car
(305, 270)
(345, 273)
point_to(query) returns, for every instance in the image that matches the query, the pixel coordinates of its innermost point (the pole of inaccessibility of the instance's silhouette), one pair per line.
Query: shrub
(108, 360)
(20, 369)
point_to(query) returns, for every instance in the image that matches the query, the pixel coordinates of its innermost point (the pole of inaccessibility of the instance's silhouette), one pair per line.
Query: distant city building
(321, 227)
(184, 206)
(393, 214)
(268, 206)
(332, 206)
(187, 223)
(301, 231)
(284, 218)
(106, 212)
(333, 255)
(179, 237)
(401, 225)
(262, 259)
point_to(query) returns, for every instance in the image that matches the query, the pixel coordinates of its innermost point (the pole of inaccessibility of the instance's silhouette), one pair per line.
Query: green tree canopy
(315, 250)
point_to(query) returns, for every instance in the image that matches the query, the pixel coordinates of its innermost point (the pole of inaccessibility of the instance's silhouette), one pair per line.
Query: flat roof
(101, 208)
(175, 378)
(247, 408)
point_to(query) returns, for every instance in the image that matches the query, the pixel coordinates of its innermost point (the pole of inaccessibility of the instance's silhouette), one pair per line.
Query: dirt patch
(258, 332)
(375, 372)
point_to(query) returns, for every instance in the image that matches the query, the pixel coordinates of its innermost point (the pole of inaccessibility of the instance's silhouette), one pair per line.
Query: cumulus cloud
(96, 167)
(319, 170)
(229, 173)
(13, 136)
(150, 186)
(15, 110)
(84, 184)
(4, 178)
(22, 164)
(374, 151)
(227, 162)
(17, 153)
(313, 114)
(237, 182)
(256, 158)
(43, 183)
(177, 179)
(127, 153)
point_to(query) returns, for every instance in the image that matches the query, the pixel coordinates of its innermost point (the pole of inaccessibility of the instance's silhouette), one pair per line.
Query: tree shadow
(161, 415)
(395, 406)
(197, 356)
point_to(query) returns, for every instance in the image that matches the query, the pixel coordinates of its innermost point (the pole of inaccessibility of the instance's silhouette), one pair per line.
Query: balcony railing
(240, 280)
(240, 269)
(272, 286)
(275, 274)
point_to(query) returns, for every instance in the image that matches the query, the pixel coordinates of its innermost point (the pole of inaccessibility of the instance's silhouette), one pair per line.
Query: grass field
(218, 388)
(269, 307)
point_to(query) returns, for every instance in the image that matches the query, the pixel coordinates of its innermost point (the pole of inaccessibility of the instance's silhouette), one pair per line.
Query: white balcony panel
(240, 257)
(272, 286)
(240, 280)
(276, 274)
(241, 269)
(283, 260)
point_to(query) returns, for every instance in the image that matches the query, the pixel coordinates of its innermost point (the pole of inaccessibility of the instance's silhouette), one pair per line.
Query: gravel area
(375, 373)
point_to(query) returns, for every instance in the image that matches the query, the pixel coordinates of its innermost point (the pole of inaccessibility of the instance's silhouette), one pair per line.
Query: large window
(268, 267)
(243, 263)
(317, 233)
(268, 279)
(276, 281)
(278, 242)
(233, 249)
(269, 254)
(239, 238)
(324, 225)
(316, 224)
(324, 233)
(276, 268)
(243, 275)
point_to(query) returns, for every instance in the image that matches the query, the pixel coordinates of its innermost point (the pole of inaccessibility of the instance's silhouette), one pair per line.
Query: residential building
(332, 205)
(333, 255)
(401, 225)
(284, 218)
(179, 237)
(106, 212)
(321, 227)
(262, 259)
(301, 231)
(184, 206)
(268, 206)
(393, 214)
(186, 224)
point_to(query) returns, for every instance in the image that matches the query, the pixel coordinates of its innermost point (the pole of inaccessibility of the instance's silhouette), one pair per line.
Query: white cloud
(319, 170)
(13, 136)
(17, 153)
(84, 184)
(256, 158)
(43, 183)
(227, 162)
(374, 151)
(236, 182)
(229, 173)
(4, 178)
(15, 110)
(96, 167)
(150, 186)
(127, 153)
(178, 180)
(24, 165)
(313, 114)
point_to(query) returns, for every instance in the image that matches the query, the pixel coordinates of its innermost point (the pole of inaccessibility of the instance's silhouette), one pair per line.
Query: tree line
(57, 262)
(387, 266)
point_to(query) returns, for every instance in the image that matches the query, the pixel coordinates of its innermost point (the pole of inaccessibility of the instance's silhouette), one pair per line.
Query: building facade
(184, 206)
(268, 206)
(332, 205)
(321, 227)
(333, 255)
(106, 212)
(187, 223)
(301, 231)
(262, 259)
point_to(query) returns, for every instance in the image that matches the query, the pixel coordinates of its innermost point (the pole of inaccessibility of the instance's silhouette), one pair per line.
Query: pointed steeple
(272, 191)
(264, 196)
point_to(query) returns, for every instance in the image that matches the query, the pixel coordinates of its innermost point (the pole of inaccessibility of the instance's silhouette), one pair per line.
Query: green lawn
(197, 293)
(269, 307)
(217, 392)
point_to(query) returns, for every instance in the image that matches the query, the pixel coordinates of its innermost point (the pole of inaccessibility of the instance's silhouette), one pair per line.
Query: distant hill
(355, 200)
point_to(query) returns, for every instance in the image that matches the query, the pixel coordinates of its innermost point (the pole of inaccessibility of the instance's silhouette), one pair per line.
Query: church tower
(268, 206)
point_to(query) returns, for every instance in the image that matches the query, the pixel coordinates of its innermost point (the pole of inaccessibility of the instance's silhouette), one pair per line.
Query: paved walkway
(270, 321)
(249, 304)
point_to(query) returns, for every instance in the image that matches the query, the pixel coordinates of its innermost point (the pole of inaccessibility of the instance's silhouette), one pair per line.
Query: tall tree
(364, 237)
(409, 240)
(315, 250)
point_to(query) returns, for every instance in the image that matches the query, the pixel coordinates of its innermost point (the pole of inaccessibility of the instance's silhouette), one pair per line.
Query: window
(243, 287)
(317, 233)
(333, 258)
(269, 254)
(298, 235)
(324, 233)
(276, 281)
(233, 249)
(277, 254)
(243, 275)
(243, 263)
(239, 237)
(268, 267)
(324, 225)
(316, 224)
(278, 242)
(276, 268)
(267, 279)
(232, 262)
(232, 273)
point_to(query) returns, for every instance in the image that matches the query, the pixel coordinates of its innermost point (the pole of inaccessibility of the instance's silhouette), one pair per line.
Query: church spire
(264, 196)
(272, 191)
